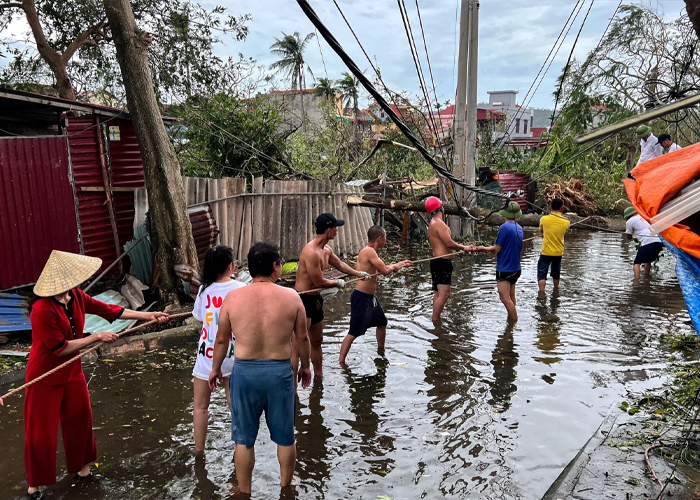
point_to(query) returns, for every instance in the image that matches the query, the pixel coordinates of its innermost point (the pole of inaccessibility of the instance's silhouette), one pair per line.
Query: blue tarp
(14, 314)
(688, 272)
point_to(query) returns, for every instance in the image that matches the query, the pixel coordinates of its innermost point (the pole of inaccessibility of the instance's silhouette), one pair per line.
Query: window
(517, 125)
(524, 126)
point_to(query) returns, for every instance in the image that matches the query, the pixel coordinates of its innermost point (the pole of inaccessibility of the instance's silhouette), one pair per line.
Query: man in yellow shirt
(554, 227)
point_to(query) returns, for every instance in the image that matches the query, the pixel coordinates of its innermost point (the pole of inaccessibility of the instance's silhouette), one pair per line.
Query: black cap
(327, 221)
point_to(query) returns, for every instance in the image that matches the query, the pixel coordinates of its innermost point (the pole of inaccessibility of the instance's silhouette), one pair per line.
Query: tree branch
(96, 29)
(42, 45)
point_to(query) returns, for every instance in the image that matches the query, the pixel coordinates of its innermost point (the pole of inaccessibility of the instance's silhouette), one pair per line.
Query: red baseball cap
(432, 204)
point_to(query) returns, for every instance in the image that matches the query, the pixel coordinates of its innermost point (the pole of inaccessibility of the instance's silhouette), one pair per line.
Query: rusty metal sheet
(512, 182)
(37, 209)
(204, 230)
(124, 154)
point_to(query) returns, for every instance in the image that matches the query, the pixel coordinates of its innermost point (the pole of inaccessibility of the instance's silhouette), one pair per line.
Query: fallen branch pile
(576, 197)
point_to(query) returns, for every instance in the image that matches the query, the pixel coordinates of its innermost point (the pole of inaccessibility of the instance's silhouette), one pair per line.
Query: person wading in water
(365, 309)
(218, 282)
(313, 262)
(266, 317)
(442, 244)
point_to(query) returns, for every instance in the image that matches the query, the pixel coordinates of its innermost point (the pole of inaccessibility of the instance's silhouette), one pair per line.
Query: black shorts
(365, 312)
(313, 304)
(509, 276)
(648, 253)
(441, 272)
(543, 267)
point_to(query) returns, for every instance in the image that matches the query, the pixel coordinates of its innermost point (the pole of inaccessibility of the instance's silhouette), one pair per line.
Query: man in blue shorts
(508, 246)
(265, 317)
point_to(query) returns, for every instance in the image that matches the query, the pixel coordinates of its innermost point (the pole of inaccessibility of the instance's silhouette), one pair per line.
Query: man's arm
(313, 268)
(446, 237)
(302, 342)
(492, 248)
(382, 268)
(341, 266)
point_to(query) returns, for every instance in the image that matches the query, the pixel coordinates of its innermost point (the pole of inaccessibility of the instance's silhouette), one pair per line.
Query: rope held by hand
(85, 352)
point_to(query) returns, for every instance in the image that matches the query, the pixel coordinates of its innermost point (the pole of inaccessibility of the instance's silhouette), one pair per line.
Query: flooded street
(471, 409)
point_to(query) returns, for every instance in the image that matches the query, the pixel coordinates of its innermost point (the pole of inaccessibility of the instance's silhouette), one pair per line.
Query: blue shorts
(257, 386)
(543, 267)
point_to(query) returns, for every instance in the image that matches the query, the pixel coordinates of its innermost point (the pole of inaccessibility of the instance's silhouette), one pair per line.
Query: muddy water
(472, 409)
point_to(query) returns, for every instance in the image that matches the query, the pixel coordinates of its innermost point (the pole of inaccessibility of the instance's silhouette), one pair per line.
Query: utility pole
(459, 137)
(470, 154)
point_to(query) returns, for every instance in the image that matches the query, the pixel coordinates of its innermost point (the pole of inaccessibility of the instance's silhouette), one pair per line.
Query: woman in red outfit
(57, 333)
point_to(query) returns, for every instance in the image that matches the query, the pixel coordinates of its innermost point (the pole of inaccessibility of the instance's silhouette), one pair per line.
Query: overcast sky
(514, 39)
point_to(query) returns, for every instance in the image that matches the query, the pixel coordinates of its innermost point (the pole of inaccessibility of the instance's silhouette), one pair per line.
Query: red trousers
(44, 407)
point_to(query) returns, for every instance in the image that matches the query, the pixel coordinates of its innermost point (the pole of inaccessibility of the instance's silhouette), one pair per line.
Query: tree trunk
(693, 9)
(170, 224)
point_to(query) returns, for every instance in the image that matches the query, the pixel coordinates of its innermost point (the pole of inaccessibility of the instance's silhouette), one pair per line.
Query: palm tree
(291, 49)
(325, 87)
(348, 86)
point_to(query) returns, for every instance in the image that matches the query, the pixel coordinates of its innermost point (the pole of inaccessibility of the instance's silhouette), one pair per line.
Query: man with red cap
(442, 244)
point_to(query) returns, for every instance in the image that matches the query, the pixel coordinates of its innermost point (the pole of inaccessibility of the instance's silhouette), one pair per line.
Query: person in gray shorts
(265, 317)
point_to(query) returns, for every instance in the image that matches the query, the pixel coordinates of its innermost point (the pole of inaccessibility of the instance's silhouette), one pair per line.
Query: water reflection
(366, 391)
(548, 328)
(313, 463)
(504, 359)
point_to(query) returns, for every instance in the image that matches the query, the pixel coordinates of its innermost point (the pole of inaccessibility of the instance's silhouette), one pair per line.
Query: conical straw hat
(64, 271)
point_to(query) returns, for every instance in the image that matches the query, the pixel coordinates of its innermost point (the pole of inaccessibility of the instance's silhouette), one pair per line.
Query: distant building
(484, 117)
(382, 120)
(519, 119)
(289, 104)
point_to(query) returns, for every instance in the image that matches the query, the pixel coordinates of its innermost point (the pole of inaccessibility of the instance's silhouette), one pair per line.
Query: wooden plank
(310, 217)
(353, 216)
(328, 208)
(114, 189)
(201, 190)
(276, 216)
(268, 213)
(257, 212)
(231, 216)
(239, 204)
(247, 222)
(223, 210)
(191, 190)
(212, 194)
(315, 187)
(293, 216)
(338, 212)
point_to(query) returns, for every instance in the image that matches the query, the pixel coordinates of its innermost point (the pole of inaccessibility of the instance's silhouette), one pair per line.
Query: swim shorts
(313, 304)
(441, 272)
(509, 276)
(365, 312)
(262, 386)
(648, 253)
(543, 267)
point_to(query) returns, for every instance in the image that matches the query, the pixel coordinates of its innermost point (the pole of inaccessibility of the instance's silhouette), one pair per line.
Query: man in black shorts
(651, 247)
(443, 245)
(313, 262)
(365, 310)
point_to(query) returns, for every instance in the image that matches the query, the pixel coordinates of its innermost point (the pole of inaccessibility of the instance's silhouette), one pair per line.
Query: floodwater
(471, 409)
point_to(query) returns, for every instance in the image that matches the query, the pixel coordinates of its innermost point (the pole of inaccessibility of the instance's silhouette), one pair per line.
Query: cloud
(515, 37)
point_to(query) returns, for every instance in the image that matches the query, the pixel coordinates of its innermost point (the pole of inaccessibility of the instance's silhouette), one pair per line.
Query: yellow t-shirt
(553, 228)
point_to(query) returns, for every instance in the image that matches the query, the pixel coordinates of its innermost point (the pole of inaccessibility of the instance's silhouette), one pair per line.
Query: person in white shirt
(651, 245)
(218, 269)
(650, 144)
(668, 144)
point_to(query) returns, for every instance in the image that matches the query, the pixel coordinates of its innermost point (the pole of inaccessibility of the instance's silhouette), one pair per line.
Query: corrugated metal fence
(279, 212)
(37, 208)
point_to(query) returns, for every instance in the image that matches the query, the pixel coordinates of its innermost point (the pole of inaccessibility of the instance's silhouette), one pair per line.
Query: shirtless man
(442, 244)
(365, 309)
(313, 262)
(265, 317)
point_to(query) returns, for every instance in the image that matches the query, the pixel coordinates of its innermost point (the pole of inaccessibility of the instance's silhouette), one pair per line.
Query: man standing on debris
(365, 309)
(313, 262)
(649, 143)
(508, 246)
(667, 144)
(265, 317)
(651, 245)
(554, 227)
(441, 267)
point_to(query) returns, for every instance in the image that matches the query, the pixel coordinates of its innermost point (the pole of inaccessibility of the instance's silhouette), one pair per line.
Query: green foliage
(349, 87)
(290, 49)
(182, 52)
(325, 87)
(400, 162)
(216, 137)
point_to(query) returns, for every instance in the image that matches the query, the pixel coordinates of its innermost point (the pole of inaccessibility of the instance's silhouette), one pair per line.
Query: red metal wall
(512, 182)
(37, 208)
(126, 171)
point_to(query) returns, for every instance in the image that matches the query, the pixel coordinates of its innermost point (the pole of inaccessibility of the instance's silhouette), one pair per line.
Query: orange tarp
(659, 180)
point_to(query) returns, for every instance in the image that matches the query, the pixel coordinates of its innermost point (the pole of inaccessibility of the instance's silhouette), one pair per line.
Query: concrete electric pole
(464, 132)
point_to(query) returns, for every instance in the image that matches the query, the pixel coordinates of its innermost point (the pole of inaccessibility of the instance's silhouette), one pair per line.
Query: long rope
(87, 351)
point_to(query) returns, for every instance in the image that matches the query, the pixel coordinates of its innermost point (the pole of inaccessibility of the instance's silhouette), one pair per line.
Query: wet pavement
(471, 409)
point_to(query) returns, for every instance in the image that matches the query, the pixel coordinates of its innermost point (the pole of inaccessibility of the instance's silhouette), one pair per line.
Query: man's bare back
(439, 236)
(364, 263)
(265, 317)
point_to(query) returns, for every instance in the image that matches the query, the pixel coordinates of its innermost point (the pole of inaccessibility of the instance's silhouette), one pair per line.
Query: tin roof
(14, 313)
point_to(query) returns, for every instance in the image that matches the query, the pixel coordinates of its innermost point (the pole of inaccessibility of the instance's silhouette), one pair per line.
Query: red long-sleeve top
(53, 325)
